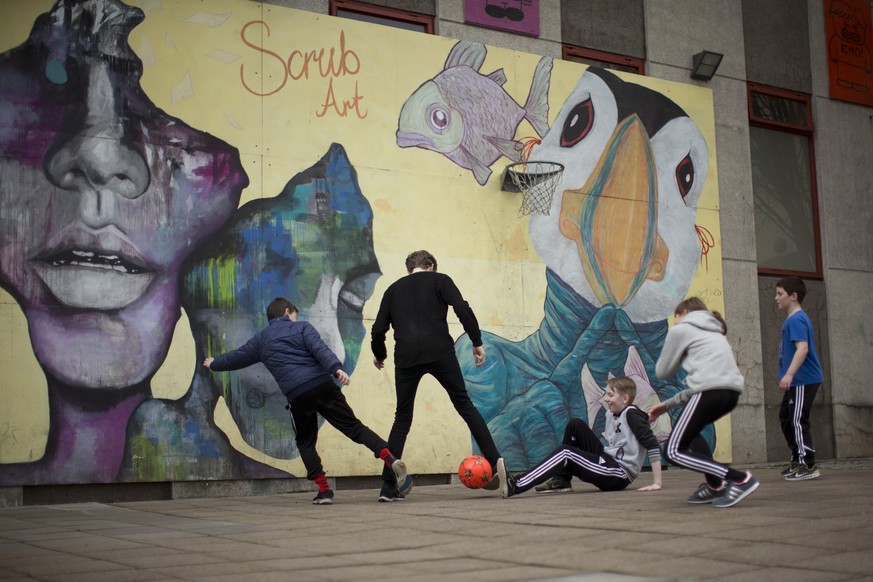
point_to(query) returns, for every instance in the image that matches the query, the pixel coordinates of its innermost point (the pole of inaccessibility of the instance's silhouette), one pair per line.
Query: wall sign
(850, 50)
(521, 16)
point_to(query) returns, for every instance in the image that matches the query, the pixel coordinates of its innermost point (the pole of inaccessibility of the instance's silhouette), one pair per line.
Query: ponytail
(721, 320)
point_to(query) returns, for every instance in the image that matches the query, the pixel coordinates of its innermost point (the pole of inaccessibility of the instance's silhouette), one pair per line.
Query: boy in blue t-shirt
(800, 377)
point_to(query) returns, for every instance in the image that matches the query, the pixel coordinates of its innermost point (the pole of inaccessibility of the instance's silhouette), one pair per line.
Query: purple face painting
(102, 196)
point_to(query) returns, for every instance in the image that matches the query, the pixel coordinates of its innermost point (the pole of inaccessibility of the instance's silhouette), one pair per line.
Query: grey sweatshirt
(697, 344)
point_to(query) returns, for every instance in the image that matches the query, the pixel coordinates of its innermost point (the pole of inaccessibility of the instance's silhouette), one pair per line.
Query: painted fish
(468, 117)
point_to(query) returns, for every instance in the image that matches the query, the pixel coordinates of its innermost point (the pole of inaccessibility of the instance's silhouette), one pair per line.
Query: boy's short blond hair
(624, 386)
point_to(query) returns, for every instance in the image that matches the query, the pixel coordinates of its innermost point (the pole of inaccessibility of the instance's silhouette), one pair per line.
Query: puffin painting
(620, 246)
(622, 224)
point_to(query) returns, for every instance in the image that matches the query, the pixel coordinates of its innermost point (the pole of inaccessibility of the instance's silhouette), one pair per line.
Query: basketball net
(537, 182)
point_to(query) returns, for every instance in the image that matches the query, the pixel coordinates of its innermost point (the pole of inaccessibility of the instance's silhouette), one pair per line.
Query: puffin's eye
(439, 118)
(578, 123)
(685, 176)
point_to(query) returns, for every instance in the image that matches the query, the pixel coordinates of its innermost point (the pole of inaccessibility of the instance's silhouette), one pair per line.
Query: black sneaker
(390, 494)
(706, 494)
(555, 485)
(323, 498)
(736, 492)
(804, 473)
(791, 469)
(510, 486)
(390, 497)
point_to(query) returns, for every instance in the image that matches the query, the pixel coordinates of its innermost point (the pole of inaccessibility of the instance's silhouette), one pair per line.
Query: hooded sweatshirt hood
(703, 320)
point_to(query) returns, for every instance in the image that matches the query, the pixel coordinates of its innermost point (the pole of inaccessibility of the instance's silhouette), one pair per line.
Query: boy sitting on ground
(611, 468)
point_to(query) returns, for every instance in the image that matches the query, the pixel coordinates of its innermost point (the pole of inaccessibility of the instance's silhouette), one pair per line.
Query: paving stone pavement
(820, 530)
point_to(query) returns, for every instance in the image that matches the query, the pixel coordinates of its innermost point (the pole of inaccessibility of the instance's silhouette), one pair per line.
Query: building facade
(784, 192)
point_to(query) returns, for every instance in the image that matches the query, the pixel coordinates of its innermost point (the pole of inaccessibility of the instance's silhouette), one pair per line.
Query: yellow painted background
(193, 53)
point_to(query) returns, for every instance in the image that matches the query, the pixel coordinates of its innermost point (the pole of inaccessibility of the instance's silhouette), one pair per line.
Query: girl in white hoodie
(697, 342)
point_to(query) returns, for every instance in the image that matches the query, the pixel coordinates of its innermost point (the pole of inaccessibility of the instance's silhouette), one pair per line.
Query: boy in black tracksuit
(628, 436)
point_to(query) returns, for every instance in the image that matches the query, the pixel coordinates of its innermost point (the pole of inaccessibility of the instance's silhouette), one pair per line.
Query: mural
(168, 169)
(468, 117)
(620, 246)
(312, 242)
(103, 197)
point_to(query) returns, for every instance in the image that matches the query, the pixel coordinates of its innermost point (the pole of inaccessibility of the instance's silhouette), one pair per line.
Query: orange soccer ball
(475, 472)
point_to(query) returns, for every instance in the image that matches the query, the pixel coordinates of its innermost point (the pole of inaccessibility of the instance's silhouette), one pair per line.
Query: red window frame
(807, 129)
(569, 50)
(383, 12)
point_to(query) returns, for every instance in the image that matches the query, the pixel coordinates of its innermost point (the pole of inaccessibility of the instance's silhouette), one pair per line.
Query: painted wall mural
(620, 246)
(167, 169)
(468, 117)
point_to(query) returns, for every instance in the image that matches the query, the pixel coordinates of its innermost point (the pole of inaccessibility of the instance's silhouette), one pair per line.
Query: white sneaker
(404, 479)
(501, 474)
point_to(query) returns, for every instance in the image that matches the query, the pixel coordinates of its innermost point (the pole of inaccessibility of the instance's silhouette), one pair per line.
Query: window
(603, 60)
(381, 15)
(783, 182)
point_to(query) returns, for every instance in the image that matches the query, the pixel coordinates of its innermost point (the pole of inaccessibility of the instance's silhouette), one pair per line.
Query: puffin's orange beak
(613, 218)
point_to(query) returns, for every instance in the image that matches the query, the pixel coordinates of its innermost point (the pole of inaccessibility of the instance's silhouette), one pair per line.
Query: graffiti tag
(329, 64)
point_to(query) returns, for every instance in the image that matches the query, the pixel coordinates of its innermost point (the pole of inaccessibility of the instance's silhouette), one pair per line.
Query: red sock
(322, 483)
(386, 456)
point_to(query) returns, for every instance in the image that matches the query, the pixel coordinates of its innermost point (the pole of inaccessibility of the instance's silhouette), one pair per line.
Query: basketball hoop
(536, 181)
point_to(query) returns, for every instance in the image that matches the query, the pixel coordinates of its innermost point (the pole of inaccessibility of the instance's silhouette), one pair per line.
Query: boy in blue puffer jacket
(303, 365)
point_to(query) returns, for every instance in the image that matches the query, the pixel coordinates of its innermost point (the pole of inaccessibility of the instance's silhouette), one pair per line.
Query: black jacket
(416, 307)
(292, 351)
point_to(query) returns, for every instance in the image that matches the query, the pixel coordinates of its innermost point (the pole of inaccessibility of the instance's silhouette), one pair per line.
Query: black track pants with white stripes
(688, 449)
(582, 456)
(794, 419)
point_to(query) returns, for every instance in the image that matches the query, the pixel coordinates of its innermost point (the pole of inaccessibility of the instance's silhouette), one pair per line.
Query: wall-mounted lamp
(705, 65)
